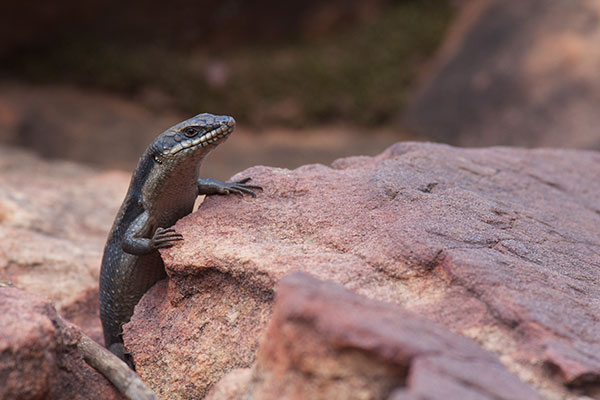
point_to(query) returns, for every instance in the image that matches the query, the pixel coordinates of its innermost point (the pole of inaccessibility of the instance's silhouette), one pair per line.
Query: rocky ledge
(475, 273)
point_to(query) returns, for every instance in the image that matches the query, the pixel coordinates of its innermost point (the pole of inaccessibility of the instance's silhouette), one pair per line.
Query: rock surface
(38, 353)
(215, 332)
(500, 245)
(326, 342)
(520, 74)
(54, 220)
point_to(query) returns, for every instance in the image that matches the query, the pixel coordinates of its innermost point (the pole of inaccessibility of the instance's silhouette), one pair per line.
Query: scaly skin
(163, 188)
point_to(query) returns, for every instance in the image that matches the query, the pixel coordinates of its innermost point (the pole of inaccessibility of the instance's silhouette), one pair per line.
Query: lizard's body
(163, 188)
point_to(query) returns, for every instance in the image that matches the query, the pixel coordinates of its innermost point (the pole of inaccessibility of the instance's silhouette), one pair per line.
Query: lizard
(163, 189)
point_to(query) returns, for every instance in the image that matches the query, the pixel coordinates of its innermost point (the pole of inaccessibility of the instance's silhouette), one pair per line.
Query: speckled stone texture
(500, 245)
(326, 342)
(38, 353)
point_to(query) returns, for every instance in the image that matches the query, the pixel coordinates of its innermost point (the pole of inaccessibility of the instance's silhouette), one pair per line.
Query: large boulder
(498, 244)
(509, 73)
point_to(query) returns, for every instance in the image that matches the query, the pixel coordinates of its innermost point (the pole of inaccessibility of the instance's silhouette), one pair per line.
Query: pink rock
(326, 342)
(38, 353)
(54, 219)
(498, 244)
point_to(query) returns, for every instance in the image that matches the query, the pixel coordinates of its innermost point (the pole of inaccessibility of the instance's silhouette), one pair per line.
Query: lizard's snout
(229, 121)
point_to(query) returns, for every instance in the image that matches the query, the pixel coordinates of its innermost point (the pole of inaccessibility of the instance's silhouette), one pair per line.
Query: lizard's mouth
(212, 137)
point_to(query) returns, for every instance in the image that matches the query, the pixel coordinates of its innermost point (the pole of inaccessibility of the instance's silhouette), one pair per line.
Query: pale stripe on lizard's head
(188, 137)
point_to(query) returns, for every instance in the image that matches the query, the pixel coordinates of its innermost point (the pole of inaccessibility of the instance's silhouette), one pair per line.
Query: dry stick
(115, 370)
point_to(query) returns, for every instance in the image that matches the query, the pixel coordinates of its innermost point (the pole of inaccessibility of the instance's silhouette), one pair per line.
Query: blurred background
(308, 81)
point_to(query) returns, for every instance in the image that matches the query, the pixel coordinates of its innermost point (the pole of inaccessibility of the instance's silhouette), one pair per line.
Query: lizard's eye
(190, 131)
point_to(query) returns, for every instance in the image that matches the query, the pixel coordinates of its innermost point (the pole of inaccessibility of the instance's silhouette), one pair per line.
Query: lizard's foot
(210, 186)
(118, 349)
(240, 187)
(165, 237)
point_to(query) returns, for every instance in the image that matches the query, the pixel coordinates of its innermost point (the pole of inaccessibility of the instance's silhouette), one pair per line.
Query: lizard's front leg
(135, 243)
(211, 186)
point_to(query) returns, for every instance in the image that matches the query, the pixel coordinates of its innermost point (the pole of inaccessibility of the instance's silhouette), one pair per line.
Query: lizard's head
(192, 138)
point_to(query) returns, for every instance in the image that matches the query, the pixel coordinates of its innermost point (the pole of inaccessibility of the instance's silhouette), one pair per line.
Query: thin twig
(115, 370)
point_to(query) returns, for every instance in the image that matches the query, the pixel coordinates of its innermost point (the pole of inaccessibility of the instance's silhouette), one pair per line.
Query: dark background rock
(498, 244)
(522, 74)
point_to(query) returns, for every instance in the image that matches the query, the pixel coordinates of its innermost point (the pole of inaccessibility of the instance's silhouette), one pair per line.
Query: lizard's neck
(170, 188)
